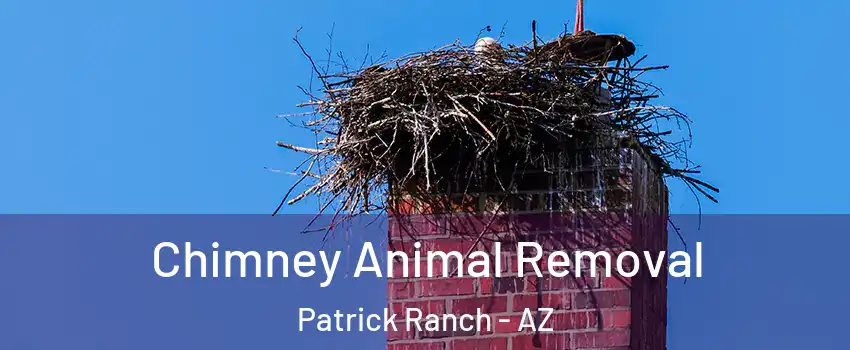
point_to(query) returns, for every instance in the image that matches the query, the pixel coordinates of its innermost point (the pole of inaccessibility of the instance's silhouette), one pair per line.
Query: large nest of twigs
(456, 120)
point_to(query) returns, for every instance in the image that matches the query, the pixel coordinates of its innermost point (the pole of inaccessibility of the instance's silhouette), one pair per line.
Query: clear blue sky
(169, 106)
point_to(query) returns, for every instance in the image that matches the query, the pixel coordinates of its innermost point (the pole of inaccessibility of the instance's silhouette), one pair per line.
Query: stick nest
(451, 120)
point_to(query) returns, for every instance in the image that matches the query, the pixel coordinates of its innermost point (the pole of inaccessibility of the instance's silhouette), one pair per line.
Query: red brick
(448, 332)
(446, 287)
(446, 245)
(398, 269)
(417, 346)
(533, 284)
(616, 318)
(524, 342)
(400, 290)
(402, 246)
(571, 320)
(546, 341)
(433, 245)
(485, 285)
(543, 265)
(409, 226)
(427, 307)
(532, 222)
(601, 339)
(488, 305)
(601, 299)
(511, 261)
(587, 317)
(511, 324)
(400, 333)
(475, 224)
(508, 284)
(574, 282)
(480, 344)
(587, 239)
(549, 283)
(557, 301)
(505, 265)
(621, 236)
(477, 260)
(616, 282)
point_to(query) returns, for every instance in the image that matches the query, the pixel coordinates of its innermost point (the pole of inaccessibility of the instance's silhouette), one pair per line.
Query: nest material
(453, 121)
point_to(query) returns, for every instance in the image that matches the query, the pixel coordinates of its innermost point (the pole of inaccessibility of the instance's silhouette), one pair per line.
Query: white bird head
(486, 43)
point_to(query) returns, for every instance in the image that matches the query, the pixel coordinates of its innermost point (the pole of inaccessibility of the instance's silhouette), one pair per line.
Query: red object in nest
(579, 17)
(586, 45)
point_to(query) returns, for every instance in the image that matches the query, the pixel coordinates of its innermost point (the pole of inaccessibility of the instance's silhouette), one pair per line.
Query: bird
(486, 44)
(489, 53)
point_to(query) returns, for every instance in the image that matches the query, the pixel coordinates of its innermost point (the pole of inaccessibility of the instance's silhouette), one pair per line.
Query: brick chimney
(598, 199)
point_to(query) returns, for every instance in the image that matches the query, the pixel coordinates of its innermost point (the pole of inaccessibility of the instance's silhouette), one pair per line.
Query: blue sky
(169, 106)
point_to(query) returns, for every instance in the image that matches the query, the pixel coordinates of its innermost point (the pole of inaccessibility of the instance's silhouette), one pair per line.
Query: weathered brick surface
(598, 313)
